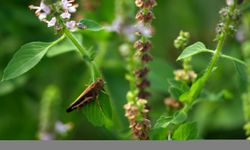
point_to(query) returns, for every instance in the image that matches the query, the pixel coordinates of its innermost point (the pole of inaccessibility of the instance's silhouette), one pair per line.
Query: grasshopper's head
(99, 83)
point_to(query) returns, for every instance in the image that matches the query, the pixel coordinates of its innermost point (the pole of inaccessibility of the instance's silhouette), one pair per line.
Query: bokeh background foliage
(219, 116)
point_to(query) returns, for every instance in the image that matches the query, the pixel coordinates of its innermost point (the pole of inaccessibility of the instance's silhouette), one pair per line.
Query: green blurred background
(20, 99)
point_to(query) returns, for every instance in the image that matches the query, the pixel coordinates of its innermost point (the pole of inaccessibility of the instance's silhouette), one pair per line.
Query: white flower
(52, 22)
(43, 8)
(71, 25)
(42, 16)
(72, 9)
(66, 15)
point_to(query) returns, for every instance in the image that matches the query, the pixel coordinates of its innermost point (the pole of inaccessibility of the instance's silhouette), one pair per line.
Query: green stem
(131, 76)
(201, 82)
(58, 40)
(81, 49)
(217, 53)
(83, 52)
(215, 57)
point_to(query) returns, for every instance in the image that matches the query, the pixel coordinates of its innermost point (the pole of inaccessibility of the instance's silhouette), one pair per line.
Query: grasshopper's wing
(80, 99)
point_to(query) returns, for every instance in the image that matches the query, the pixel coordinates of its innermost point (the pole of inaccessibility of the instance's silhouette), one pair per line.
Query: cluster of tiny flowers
(230, 17)
(137, 116)
(183, 75)
(173, 103)
(57, 13)
(145, 14)
(182, 40)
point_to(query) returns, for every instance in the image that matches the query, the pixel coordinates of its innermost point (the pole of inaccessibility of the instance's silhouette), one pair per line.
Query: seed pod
(143, 94)
(143, 84)
(146, 58)
(141, 72)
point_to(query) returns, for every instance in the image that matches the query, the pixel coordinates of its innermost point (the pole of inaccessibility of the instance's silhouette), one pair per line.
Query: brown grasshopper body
(87, 96)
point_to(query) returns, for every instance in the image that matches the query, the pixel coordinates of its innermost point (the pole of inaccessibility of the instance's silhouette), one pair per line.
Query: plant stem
(58, 40)
(217, 53)
(81, 49)
(83, 52)
(215, 57)
(132, 79)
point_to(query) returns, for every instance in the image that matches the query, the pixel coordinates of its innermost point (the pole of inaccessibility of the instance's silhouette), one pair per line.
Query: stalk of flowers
(143, 17)
(136, 109)
(186, 74)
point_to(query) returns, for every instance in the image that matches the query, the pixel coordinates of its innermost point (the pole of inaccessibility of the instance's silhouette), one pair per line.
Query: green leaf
(177, 88)
(179, 117)
(25, 59)
(63, 47)
(158, 134)
(163, 121)
(242, 72)
(186, 131)
(216, 97)
(194, 49)
(105, 105)
(91, 25)
(99, 112)
(94, 114)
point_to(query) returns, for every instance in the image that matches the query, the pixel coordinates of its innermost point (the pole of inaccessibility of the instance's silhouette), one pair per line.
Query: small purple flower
(62, 128)
(52, 22)
(68, 6)
(45, 8)
(66, 15)
(71, 25)
(65, 4)
(42, 8)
